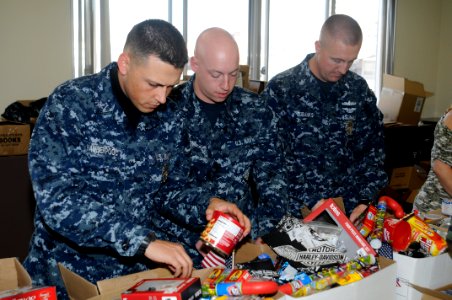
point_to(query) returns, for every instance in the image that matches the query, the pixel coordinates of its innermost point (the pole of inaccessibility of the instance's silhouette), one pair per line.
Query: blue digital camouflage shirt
(95, 173)
(223, 159)
(334, 145)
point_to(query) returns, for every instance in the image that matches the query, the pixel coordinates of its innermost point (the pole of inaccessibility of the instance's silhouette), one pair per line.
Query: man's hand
(171, 254)
(353, 216)
(357, 212)
(229, 208)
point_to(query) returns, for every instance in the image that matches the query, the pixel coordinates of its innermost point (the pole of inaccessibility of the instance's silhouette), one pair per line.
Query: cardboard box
(14, 138)
(379, 285)
(436, 294)
(165, 289)
(402, 100)
(413, 273)
(411, 178)
(15, 283)
(412, 196)
(79, 288)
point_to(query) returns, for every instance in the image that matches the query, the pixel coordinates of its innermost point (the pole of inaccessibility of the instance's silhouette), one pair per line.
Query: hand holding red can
(230, 209)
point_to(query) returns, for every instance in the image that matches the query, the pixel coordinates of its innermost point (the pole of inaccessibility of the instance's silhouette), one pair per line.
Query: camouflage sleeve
(272, 193)
(269, 175)
(273, 95)
(183, 200)
(184, 203)
(441, 149)
(72, 202)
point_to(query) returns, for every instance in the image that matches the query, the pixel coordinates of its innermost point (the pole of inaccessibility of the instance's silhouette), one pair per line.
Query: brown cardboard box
(79, 288)
(412, 196)
(380, 285)
(411, 178)
(436, 294)
(14, 138)
(401, 100)
(12, 274)
(15, 283)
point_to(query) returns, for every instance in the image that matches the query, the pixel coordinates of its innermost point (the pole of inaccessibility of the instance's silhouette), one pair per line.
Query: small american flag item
(212, 260)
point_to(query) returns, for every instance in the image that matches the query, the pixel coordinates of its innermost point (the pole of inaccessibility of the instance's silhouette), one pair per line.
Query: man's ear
(194, 63)
(317, 46)
(123, 63)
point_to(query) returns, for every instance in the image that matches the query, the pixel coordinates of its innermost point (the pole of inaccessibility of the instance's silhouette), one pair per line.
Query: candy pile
(262, 277)
(399, 232)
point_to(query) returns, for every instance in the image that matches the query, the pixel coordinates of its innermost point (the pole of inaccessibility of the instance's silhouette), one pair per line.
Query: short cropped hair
(159, 38)
(342, 27)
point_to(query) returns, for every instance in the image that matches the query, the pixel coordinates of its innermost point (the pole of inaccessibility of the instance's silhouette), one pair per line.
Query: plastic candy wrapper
(429, 240)
(326, 232)
(235, 282)
(261, 267)
(306, 245)
(304, 284)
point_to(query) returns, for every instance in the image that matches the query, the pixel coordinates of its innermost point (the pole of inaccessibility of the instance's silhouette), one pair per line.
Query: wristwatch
(145, 243)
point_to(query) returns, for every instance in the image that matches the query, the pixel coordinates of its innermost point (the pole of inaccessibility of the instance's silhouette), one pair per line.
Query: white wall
(423, 49)
(36, 48)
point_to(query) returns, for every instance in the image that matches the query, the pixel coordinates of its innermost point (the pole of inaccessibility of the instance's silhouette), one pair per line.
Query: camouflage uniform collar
(189, 93)
(132, 113)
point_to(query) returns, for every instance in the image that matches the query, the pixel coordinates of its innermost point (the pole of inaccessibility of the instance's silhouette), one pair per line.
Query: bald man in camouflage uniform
(230, 144)
(330, 123)
(101, 150)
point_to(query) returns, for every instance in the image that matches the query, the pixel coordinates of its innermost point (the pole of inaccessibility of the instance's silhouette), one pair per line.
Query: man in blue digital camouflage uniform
(100, 151)
(329, 121)
(230, 148)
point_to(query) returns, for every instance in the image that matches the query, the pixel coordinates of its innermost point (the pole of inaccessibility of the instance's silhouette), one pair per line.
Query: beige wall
(36, 48)
(423, 49)
(444, 82)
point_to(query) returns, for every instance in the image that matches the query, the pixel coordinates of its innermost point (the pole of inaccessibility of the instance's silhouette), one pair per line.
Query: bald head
(216, 65)
(215, 45)
(341, 28)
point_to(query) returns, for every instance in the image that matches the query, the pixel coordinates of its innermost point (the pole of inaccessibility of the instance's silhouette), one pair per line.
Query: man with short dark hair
(102, 148)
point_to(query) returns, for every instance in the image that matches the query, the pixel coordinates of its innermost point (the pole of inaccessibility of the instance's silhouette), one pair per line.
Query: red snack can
(222, 233)
(368, 224)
